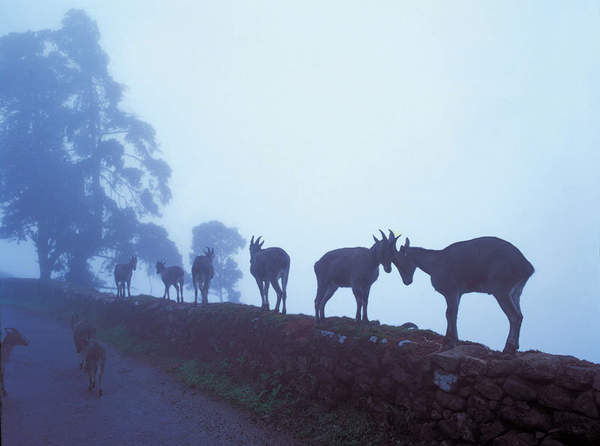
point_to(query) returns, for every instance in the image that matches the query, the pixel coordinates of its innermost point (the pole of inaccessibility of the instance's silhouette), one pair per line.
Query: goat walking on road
(202, 274)
(123, 273)
(95, 359)
(485, 265)
(12, 339)
(83, 333)
(357, 268)
(268, 266)
(171, 275)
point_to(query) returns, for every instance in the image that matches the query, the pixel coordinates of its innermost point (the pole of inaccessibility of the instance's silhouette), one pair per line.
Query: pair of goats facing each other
(12, 339)
(123, 273)
(202, 274)
(171, 275)
(92, 356)
(484, 265)
(268, 266)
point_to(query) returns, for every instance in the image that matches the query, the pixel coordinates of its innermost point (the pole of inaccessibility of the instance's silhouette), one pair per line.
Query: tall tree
(115, 150)
(226, 242)
(73, 165)
(39, 185)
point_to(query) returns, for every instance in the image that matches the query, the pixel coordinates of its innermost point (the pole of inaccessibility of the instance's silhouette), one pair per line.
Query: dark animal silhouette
(172, 275)
(486, 265)
(202, 274)
(95, 359)
(268, 266)
(357, 268)
(123, 273)
(12, 339)
(83, 333)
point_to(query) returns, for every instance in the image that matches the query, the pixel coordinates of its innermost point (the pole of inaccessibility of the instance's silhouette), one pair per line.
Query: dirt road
(48, 402)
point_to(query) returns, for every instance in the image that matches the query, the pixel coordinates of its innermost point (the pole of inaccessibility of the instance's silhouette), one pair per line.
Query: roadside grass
(120, 338)
(308, 420)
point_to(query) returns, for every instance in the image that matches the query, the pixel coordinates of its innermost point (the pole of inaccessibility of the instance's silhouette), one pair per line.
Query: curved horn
(258, 239)
(252, 241)
(393, 236)
(383, 237)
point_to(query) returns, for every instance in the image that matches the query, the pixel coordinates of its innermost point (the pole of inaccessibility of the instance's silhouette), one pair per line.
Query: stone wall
(467, 395)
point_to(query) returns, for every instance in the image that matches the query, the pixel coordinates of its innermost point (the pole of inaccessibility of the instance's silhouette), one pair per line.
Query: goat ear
(407, 243)
(375, 238)
(252, 241)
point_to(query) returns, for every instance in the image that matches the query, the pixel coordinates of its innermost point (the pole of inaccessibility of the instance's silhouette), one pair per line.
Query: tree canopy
(226, 242)
(78, 175)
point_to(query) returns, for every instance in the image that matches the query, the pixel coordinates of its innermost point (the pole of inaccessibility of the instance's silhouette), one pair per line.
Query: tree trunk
(43, 251)
(44, 265)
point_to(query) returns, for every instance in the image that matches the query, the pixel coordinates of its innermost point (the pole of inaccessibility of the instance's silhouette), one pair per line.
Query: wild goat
(83, 333)
(202, 274)
(172, 275)
(12, 339)
(95, 359)
(357, 268)
(123, 273)
(268, 266)
(485, 265)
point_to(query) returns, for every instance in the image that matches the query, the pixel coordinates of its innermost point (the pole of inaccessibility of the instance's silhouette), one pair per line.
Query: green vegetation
(119, 336)
(271, 401)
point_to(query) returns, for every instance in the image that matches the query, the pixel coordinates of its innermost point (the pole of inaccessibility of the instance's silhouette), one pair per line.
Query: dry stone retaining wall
(467, 395)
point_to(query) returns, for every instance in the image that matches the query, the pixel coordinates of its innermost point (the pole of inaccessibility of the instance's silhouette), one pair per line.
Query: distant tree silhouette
(76, 172)
(226, 242)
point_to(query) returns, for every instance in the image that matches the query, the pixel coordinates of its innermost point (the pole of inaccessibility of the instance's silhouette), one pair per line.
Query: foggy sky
(315, 124)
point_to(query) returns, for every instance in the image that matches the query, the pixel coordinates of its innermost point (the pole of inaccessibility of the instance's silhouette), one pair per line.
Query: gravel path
(48, 402)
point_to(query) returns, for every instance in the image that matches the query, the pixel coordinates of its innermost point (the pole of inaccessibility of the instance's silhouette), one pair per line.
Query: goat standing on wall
(202, 274)
(83, 333)
(12, 339)
(123, 273)
(268, 266)
(172, 275)
(485, 265)
(357, 268)
(95, 359)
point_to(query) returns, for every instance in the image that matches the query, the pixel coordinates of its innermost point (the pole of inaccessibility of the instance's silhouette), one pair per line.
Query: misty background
(316, 124)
